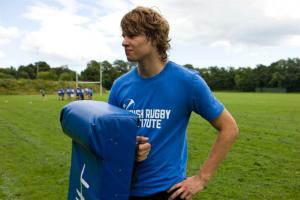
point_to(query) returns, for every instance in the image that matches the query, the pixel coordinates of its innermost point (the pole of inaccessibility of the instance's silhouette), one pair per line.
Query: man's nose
(125, 41)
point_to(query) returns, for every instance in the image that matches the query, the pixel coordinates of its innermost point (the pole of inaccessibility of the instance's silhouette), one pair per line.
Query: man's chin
(131, 59)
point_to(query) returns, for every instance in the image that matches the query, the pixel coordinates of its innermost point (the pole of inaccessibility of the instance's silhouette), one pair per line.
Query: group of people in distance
(80, 93)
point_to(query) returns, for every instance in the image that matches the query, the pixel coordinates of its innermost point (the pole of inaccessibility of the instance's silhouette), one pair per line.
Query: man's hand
(187, 188)
(143, 148)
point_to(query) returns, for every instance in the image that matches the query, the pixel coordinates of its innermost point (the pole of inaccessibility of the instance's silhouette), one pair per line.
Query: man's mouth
(128, 50)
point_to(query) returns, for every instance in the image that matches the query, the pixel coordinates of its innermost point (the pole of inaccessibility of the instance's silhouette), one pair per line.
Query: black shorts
(158, 196)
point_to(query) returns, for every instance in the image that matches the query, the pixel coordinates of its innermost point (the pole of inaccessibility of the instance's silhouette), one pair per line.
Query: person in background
(69, 93)
(86, 93)
(59, 94)
(72, 92)
(82, 94)
(42, 92)
(90, 93)
(62, 94)
(78, 93)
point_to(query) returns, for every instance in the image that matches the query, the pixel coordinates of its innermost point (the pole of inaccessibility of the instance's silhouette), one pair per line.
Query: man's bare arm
(227, 133)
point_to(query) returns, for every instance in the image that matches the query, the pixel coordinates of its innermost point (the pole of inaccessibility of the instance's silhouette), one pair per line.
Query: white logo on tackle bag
(129, 104)
(84, 183)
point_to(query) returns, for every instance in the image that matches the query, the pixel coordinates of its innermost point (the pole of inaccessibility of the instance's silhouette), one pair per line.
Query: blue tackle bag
(103, 150)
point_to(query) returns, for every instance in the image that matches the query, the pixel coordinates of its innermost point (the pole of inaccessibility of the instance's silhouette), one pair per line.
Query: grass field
(263, 164)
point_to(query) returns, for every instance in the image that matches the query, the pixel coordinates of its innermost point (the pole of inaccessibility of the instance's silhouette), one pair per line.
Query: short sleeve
(203, 101)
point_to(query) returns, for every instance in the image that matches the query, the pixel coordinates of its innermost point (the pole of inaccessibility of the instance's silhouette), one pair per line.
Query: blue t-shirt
(78, 91)
(164, 104)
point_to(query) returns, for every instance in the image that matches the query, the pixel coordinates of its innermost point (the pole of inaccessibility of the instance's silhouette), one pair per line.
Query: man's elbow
(234, 131)
(230, 131)
(226, 125)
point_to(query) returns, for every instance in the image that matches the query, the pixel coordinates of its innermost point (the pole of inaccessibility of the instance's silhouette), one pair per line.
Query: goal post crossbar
(85, 82)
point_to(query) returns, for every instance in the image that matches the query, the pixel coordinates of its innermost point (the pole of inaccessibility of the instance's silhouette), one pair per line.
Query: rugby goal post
(89, 82)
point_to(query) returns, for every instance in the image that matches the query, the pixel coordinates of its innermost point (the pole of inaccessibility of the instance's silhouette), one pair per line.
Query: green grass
(263, 164)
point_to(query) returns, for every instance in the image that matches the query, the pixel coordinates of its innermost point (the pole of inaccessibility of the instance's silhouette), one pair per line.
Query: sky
(224, 33)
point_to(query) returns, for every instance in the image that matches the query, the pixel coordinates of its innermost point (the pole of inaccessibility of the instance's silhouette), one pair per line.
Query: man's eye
(130, 36)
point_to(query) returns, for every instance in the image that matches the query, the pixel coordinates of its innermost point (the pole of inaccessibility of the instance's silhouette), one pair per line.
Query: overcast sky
(236, 33)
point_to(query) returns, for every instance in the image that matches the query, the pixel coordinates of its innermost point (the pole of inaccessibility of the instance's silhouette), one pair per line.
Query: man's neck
(150, 67)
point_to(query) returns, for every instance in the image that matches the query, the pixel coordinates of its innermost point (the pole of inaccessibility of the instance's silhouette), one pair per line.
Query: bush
(8, 83)
(50, 75)
(23, 74)
(6, 76)
(66, 77)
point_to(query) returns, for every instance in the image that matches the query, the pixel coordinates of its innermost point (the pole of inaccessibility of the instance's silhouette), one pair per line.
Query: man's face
(137, 48)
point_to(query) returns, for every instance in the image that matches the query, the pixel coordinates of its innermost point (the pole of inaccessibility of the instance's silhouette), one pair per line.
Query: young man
(42, 92)
(90, 93)
(69, 93)
(163, 94)
(59, 93)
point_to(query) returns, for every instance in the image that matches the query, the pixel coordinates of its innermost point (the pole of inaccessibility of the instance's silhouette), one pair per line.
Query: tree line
(280, 74)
